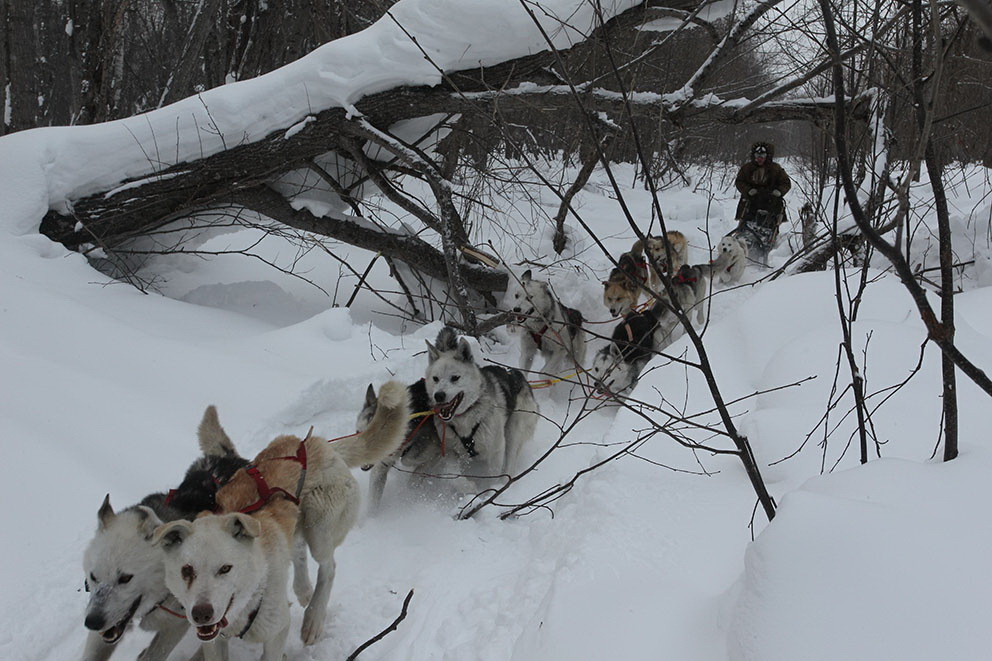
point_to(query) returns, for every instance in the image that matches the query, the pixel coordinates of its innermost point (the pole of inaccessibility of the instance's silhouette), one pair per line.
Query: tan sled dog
(657, 249)
(312, 472)
(622, 290)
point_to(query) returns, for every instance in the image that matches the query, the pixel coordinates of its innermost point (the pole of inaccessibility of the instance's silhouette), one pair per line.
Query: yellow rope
(547, 383)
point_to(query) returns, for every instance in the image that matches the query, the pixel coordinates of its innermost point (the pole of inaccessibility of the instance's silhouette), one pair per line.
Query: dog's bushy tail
(214, 441)
(386, 431)
(447, 339)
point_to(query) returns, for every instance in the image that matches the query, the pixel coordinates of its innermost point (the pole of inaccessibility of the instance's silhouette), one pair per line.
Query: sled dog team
(215, 552)
(657, 265)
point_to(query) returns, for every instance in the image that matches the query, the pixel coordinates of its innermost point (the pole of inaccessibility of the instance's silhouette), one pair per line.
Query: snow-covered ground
(650, 556)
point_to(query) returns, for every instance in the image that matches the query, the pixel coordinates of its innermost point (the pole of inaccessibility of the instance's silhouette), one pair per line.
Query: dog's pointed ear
(106, 513)
(242, 527)
(148, 521)
(211, 435)
(370, 398)
(171, 535)
(606, 284)
(432, 352)
(464, 350)
(526, 276)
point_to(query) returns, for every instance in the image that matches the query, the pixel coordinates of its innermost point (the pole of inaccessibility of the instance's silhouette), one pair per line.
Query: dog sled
(759, 223)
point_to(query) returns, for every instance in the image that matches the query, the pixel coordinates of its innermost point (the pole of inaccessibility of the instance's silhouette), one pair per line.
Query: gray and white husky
(124, 574)
(421, 449)
(547, 326)
(486, 414)
(691, 288)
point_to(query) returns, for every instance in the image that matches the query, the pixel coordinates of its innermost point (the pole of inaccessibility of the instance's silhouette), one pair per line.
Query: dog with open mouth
(547, 326)
(124, 575)
(229, 570)
(487, 414)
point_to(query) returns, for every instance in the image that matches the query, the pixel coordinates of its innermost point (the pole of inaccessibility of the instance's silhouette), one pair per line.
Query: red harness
(265, 492)
(680, 279)
(538, 336)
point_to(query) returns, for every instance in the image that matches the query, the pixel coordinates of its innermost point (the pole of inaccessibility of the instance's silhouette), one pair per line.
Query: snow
(659, 554)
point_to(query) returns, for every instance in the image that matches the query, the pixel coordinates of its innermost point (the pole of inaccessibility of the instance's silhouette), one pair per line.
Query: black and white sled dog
(547, 326)
(124, 573)
(731, 258)
(486, 414)
(635, 340)
(421, 450)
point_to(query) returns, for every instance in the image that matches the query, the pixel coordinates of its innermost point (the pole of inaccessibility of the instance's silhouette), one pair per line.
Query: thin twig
(382, 634)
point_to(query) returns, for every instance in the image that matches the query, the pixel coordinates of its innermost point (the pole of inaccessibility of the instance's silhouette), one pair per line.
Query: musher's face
(759, 159)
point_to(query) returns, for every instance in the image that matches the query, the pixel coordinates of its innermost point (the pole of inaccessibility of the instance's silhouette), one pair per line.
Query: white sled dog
(731, 258)
(547, 326)
(229, 570)
(421, 449)
(124, 574)
(487, 413)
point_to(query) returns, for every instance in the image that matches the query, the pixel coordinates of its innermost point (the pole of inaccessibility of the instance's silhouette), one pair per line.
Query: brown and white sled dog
(420, 453)
(547, 327)
(731, 258)
(124, 574)
(487, 413)
(229, 570)
(659, 248)
(622, 290)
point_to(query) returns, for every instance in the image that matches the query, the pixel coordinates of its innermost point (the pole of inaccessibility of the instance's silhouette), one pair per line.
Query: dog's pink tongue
(223, 622)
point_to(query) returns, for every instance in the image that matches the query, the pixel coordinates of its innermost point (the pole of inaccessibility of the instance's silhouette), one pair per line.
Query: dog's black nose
(440, 397)
(203, 613)
(96, 621)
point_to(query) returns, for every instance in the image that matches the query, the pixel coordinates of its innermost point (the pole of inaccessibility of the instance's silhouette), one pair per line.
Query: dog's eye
(223, 570)
(125, 579)
(435, 379)
(455, 378)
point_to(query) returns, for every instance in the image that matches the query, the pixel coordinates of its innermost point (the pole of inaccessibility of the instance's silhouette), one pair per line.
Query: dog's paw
(313, 625)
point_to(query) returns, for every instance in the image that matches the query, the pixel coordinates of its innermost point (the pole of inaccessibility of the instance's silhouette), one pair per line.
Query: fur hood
(767, 145)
